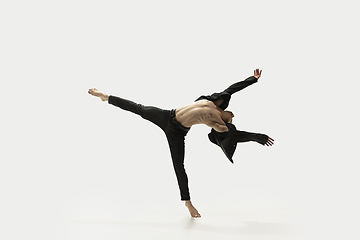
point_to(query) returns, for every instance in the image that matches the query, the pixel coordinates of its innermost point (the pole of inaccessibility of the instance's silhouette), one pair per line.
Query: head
(227, 116)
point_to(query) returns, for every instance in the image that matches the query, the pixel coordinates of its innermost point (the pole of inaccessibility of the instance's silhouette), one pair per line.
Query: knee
(140, 109)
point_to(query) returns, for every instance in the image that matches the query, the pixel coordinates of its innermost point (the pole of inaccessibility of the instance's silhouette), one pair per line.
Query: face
(227, 116)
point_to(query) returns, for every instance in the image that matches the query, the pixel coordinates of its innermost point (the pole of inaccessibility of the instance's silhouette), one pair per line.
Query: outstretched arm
(263, 139)
(221, 99)
(243, 84)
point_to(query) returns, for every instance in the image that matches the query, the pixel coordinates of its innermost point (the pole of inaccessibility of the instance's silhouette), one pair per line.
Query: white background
(74, 167)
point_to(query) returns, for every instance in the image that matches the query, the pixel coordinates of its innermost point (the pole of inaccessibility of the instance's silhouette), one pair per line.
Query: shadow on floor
(191, 224)
(247, 227)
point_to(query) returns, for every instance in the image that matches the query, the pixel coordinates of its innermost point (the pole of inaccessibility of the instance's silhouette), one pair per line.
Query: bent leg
(155, 115)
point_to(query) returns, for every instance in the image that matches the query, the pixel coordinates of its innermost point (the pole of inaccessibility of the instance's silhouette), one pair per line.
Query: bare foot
(97, 93)
(193, 212)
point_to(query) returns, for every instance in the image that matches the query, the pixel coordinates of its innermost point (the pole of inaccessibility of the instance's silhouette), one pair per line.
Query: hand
(257, 73)
(269, 142)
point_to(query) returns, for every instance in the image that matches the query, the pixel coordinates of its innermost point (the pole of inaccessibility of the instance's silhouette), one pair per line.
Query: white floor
(100, 218)
(217, 226)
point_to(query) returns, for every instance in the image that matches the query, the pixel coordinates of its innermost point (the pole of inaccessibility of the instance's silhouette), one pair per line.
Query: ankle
(104, 97)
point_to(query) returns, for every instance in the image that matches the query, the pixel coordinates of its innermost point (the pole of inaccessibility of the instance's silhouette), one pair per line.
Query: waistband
(179, 125)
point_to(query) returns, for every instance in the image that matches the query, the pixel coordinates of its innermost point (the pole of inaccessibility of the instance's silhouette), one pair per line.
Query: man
(175, 123)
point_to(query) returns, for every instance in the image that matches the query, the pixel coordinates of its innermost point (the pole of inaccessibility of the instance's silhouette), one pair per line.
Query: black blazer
(226, 94)
(227, 141)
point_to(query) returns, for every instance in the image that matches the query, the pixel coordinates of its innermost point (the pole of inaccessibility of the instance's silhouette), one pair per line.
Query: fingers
(257, 73)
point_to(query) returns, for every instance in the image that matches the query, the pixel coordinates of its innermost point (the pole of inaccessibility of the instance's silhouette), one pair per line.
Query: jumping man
(175, 123)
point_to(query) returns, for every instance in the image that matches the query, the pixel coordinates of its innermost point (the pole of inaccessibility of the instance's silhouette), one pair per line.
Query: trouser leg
(155, 115)
(177, 150)
(174, 135)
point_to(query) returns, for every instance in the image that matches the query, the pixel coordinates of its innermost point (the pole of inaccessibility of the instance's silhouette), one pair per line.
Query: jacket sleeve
(241, 85)
(226, 94)
(242, 136)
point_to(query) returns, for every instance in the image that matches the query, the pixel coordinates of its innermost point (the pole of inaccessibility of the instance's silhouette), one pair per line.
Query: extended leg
(155, 115)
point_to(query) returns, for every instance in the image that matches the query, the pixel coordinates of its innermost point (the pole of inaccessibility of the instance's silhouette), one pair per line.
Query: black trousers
(174, 131)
